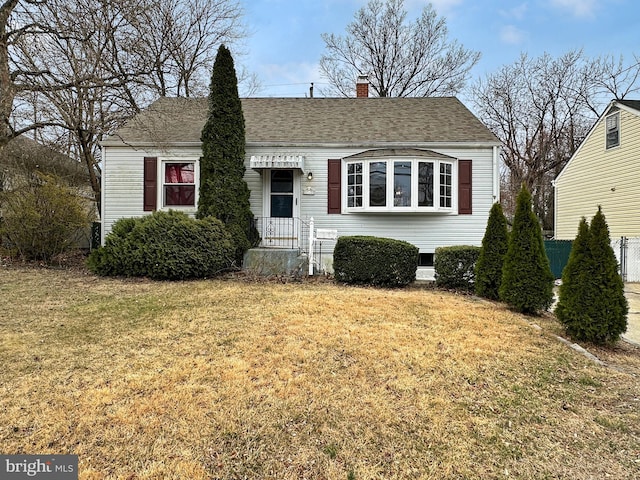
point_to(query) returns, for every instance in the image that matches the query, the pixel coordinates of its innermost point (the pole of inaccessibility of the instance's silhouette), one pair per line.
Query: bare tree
(83, 92)
(15, 25)
(179, 40)
(401, 58)
(94, 74)
(542, 108)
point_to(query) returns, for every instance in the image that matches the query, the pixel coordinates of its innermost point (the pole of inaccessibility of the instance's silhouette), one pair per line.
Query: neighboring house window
(178, 184)
(399, 185)
(613, 130)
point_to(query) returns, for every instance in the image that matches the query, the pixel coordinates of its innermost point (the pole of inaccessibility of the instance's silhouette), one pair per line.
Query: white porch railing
(295, 233)
(277, 232)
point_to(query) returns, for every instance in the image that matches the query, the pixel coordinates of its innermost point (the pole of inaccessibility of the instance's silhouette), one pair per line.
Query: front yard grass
(226, 379)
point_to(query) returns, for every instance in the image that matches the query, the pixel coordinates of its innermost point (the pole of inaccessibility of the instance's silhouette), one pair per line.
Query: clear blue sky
(285, 46)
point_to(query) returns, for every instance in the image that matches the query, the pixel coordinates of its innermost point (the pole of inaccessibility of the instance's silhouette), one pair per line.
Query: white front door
(282, 209)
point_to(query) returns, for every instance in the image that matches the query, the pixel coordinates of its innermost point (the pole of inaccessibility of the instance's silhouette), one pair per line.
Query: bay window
(400, 185)
(354, 185)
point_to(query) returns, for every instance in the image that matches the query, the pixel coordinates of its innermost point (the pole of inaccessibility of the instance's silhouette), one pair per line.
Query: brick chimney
(362, 86)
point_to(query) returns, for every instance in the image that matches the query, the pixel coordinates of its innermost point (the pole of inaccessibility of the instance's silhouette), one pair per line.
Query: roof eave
(358, 144)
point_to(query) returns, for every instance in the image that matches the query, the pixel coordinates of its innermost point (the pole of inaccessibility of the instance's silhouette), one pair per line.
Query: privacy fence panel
(558, 253)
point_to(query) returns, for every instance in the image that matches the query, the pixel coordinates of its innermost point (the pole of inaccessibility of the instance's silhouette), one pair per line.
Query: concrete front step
(276, 261)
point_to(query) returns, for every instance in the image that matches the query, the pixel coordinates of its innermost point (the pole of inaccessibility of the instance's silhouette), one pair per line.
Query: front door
(281, 228)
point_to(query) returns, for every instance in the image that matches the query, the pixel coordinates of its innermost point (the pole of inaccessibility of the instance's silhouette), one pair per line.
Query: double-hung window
(400, 185)
(178, 184)
(613, 130)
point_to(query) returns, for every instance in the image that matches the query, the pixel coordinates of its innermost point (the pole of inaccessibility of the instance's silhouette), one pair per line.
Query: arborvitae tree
(223, 192)
(575, 291)
(494, 248)
(527, 280)
(605, 315)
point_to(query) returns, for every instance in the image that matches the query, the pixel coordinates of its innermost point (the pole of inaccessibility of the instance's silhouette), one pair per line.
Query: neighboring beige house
(603, 171)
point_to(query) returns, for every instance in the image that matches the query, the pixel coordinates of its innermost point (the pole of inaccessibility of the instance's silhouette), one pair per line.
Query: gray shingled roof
(299, 121)
(635, 104)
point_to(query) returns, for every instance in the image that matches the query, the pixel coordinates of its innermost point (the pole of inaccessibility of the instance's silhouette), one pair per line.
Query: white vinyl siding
(425, 230)
(123, 181)
(123, 195)
(600, 176)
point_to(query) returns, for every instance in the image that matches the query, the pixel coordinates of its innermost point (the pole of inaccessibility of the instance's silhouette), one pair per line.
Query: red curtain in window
(179, 195)
(179, 173)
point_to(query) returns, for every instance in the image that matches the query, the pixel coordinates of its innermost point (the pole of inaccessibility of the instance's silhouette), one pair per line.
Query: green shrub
(375, 261)
(164, 246)
(527, 280)
(43, 218)
(592, 305)
(494, 247)
(574, 293)
(455, 266)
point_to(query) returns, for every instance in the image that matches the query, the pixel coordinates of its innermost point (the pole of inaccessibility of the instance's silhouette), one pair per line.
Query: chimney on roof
(362, 86)
(311, 90)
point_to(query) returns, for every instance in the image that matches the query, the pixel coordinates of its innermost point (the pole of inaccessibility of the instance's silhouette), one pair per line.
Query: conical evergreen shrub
(224, 194)
(575, 291)
(488, 275)
(527, 280)
(600, 314)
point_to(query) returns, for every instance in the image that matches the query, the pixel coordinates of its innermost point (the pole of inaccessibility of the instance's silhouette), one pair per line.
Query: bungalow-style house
(603, 171)
(423, 170)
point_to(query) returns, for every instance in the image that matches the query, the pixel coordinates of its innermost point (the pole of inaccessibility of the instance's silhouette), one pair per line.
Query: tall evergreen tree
(527, 280)
(224, 194)
(606, 314)
(494, 247)
(575, 291)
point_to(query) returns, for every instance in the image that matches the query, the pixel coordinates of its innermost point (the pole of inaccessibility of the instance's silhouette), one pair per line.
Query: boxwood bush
(365, 260)
(164, 246)
(455, 266)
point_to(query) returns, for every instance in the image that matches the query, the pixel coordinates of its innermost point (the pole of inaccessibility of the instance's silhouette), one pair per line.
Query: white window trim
(606, 131)
(160, 180)
(389, 208)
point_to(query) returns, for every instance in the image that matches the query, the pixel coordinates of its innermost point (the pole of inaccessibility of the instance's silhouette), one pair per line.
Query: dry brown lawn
(228, 379)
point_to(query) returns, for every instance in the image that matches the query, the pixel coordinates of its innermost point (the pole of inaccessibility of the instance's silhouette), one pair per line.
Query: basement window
(425, 260)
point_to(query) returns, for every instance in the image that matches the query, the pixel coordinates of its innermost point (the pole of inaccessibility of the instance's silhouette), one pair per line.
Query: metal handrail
(279, 232)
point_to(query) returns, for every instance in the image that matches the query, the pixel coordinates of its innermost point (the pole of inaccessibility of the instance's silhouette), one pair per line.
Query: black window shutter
(334, 195)
(464, 187)
(150, 183)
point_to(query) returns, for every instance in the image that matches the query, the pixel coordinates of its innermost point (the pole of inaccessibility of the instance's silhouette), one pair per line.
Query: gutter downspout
(555, 209)
(496, 175)
(102, 195)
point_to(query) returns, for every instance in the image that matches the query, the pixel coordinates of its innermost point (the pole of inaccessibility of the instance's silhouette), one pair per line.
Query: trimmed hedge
(365, 260)
(455, 266)
(164, 246)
